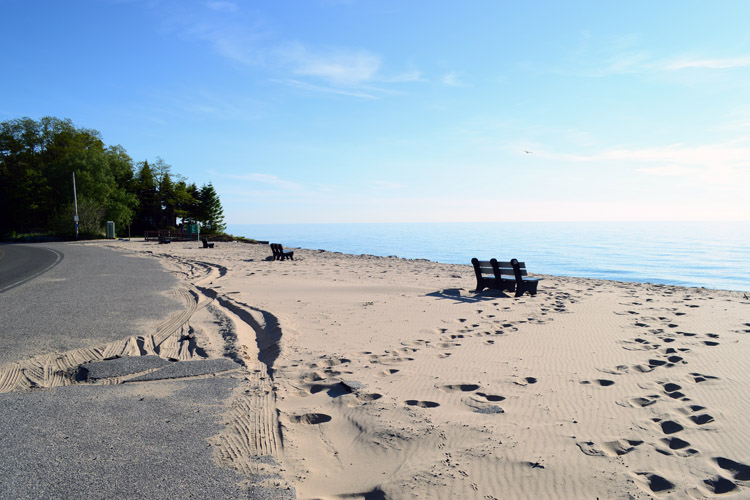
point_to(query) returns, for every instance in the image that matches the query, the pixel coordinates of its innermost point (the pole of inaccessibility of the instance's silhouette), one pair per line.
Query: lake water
(711, 255)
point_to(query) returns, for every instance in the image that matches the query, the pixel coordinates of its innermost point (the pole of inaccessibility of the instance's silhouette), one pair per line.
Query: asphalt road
(21, 263)
(91, 296)
(140, 440)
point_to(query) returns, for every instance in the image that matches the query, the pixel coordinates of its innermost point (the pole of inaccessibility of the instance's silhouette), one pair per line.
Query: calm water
(712, 255)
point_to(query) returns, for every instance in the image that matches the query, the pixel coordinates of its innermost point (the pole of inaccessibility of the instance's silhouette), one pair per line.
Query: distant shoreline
(695, 255)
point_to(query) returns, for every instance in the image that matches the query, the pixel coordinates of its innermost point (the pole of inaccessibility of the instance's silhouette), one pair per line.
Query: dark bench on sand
(510, 276)
(163, 239)
(206, 244)
(279, 253)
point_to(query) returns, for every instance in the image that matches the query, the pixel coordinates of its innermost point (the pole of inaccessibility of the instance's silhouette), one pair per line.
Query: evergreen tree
(211, 211)
(149, 207)
(168, 201)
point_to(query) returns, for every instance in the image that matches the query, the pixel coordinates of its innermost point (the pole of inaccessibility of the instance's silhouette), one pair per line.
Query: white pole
(75, 201)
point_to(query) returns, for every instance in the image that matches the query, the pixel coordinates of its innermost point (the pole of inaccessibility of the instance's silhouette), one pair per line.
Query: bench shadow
(454, 294)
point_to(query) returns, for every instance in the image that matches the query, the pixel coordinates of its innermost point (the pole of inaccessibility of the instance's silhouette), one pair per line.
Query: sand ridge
(379, 377)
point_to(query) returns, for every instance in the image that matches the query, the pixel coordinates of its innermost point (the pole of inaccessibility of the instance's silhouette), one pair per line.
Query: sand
(379, 377)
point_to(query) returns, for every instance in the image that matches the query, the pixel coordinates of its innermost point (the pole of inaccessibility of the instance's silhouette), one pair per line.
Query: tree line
(37, 163)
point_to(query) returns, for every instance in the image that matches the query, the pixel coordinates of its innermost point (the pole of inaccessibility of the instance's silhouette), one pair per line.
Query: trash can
(194, 230)
(110, 229)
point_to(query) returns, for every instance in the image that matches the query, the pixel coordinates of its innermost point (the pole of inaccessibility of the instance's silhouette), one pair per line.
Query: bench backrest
(519, 269)
(482, 267)
(506, 268)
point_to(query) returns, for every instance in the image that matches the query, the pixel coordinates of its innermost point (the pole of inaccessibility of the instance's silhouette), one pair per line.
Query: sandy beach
(379, 377)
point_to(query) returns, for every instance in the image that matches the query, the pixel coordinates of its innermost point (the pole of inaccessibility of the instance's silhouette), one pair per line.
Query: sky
(399, 110)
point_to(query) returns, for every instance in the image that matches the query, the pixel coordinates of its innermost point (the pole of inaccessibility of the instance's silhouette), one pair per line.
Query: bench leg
(529, 286)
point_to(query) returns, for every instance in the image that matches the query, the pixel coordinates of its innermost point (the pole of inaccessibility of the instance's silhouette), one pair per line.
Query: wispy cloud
(628, 62)
(362, 94)
(627, 54)
(645, 62)
(337, 66)
(703, 63)
(256, 43)
(452, 80)
(725, 164)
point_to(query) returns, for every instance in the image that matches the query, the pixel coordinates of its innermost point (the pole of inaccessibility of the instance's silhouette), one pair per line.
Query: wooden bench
(505, 276)
(279, 253)
(206, 244)
(514, 274)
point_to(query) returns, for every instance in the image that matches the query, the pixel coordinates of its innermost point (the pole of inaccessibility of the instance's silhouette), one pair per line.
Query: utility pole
(75, 202)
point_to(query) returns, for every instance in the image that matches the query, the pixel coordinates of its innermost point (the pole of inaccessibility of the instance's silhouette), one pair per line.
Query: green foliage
(37, 162)
(210, 210)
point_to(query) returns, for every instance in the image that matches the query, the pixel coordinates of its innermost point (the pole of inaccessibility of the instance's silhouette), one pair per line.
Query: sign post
(75, 201)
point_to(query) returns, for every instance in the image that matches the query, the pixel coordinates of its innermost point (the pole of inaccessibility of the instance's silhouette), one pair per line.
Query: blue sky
(397, 110)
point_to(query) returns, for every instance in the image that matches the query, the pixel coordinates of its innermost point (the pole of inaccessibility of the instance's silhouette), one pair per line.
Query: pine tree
(212, 214)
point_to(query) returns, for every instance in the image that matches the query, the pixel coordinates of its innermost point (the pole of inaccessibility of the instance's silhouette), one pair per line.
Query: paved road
(92, 296)
(144, 440)
(21, 263)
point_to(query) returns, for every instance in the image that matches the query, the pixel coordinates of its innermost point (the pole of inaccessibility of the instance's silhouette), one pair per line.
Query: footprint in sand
(638, 344)
(654, 482)
(526, 381)
(460, 387)
(609, 448)
(643, 402)
(386, 372)
(369, 397)
(740, 472)
(422, 404)
(487, 410)
(675, 443)
(490, 397)
(669, 426)
(697, 377)
(310, 418)
(719, 485)
(653, 363)
(600, 381)
(448, 345)
(702, 419)
(673, 390)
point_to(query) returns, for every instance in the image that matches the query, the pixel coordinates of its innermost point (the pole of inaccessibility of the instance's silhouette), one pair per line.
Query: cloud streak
(726, 165)
(337, 66)
(326, 89)
(230, 30)
(716, 63)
